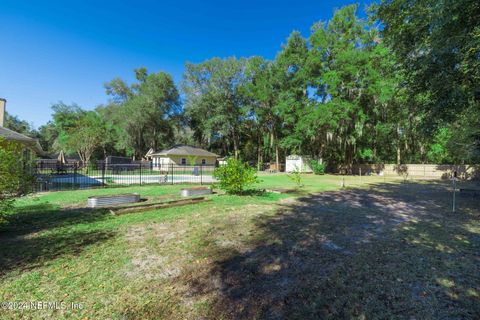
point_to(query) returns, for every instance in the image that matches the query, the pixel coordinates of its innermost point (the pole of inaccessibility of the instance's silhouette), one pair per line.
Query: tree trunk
(270, 146)
(87, 160)
(320, 154)
(81, 156)
(349, 156)
(259, 151)
(155, 139)
(235, 146)
(274, 144)
(277, 158)
(399, 160)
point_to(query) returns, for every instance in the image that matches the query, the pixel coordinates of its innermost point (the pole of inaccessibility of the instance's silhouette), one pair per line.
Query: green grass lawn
(78, 197)
(314, 183)
(378, 249)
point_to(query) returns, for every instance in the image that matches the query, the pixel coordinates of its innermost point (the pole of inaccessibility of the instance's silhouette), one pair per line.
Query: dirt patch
(376, 253)
(150, 249)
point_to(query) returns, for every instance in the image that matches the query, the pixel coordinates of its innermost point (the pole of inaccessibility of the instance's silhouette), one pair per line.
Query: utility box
(300, 163)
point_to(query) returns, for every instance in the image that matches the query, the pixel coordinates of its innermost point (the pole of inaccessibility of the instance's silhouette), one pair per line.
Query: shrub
(235, 176)
(317, 167)
(296, 177)
(14, 178)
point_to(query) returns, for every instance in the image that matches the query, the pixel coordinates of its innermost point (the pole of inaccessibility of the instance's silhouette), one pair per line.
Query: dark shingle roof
(11, 135)
(183, 150)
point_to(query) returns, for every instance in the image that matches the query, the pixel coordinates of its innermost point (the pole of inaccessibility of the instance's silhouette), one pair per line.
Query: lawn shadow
(30, 238)
(25, 253)
(392, 251)
(46, 216)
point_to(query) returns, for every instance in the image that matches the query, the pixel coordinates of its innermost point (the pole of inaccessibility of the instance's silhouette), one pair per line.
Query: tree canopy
(402, 85)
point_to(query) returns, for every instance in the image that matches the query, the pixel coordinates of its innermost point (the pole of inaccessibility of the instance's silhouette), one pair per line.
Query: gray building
(10, 135)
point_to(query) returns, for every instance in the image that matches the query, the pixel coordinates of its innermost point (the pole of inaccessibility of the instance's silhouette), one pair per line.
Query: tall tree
(438, 46)
(145, 111)
(85, 136)
(291, 78)
(65, 119)
(262, 91)
(352, 87)
(215, 100)
(14, 123)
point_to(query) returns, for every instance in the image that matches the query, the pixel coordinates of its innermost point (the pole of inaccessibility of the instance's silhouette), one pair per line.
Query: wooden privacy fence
(426, 171)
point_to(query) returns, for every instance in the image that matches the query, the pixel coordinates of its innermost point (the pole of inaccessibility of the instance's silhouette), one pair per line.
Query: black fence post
(201, 174)
(171, 165)
(103, 174)
(74, 176)
(140, 164)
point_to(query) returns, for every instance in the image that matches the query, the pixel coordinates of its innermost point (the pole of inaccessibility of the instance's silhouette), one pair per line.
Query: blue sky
(66, 50)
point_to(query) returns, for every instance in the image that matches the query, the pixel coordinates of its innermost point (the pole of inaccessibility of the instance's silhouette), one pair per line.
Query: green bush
(317, 167)
(14, 178)
(235, 176)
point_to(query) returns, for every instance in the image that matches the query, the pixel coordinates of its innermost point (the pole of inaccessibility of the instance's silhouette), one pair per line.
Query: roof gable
(184, 150)
(11, 135)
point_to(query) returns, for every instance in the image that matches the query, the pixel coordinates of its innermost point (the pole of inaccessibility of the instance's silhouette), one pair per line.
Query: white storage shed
(300, 163)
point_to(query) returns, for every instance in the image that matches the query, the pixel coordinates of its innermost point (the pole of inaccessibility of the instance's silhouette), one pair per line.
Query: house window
(204, 161)
(184, 161)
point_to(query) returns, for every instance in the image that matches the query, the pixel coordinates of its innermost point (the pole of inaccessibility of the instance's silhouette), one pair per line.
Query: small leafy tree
(235, 176)
(86, 136)
(14, 178)
(296, 177)
(317, 167)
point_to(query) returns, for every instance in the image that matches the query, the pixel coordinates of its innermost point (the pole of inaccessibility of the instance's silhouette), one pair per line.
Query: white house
(148, 155)
(300, 163)
(182, 155)
(222, 161)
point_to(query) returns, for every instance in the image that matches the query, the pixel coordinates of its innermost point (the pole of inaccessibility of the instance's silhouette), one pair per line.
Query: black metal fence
(70, 176)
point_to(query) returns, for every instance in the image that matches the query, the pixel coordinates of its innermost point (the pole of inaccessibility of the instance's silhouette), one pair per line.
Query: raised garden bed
(161, 205)
(280, 190)
(108, 201)
(197, 191)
